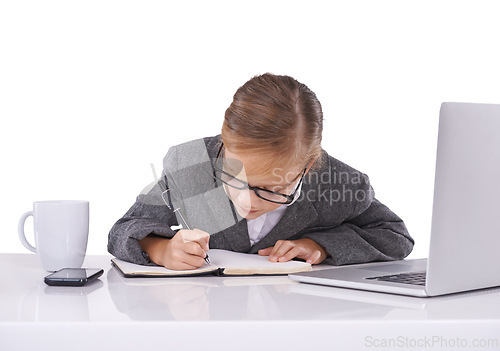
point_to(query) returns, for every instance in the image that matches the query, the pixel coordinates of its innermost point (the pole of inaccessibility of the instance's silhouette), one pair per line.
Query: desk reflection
(43, 303)
(478, 304)
(227, 298)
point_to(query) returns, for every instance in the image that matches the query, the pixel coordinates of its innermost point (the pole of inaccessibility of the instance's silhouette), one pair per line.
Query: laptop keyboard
(414, 278)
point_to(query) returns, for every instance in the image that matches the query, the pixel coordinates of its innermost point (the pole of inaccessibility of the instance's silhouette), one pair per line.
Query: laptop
(464, 250)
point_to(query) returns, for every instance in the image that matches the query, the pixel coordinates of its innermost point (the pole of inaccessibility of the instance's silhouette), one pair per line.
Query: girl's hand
(306, 249)
(186, 250)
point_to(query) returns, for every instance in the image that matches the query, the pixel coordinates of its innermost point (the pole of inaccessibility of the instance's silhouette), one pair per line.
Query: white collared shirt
(259, 227)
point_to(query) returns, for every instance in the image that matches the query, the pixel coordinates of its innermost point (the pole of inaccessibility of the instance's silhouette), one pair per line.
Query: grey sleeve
(375, 234)
(148, 215)
(360, 229)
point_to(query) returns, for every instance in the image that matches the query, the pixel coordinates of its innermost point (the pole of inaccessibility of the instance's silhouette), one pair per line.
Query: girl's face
(246, 202)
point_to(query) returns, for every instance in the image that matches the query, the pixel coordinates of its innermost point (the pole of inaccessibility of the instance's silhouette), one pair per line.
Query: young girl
(263, 186)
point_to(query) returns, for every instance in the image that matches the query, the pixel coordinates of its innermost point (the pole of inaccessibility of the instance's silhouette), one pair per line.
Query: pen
(184, 223)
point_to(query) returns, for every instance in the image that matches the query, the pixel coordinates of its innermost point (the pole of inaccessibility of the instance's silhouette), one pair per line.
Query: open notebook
(223, 263)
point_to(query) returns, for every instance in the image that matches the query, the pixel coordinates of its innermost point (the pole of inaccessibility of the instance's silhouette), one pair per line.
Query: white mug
(61, 232)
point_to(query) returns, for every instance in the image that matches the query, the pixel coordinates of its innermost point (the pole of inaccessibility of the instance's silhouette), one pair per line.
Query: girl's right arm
(148, 216)
(186, 250)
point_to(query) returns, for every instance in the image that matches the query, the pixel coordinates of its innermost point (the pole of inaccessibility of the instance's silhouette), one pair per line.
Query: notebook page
(245, 264)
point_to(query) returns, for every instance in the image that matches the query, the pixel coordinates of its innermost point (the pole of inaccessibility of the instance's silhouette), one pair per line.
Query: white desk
(237, 313)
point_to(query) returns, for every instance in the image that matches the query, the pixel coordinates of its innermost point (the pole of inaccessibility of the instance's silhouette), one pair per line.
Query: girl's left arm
(376, 234)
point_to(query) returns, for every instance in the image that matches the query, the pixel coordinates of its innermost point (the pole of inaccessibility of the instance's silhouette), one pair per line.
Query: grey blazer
(336, 208)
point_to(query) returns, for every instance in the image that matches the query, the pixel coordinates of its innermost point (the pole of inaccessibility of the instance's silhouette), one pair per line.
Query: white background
(92, 92)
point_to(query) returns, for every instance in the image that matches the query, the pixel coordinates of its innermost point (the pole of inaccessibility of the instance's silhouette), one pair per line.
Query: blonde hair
(275, 117)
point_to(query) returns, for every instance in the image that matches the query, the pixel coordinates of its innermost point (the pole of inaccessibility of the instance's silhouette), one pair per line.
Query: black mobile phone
(73, 276)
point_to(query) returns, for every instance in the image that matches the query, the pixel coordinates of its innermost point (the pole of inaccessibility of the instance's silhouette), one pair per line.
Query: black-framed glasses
(264, 194)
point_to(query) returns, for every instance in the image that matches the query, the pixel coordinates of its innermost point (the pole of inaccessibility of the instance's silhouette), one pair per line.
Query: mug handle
(20, 231)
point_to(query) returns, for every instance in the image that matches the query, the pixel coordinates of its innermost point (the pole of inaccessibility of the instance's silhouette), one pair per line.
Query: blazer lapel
(236, 236)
